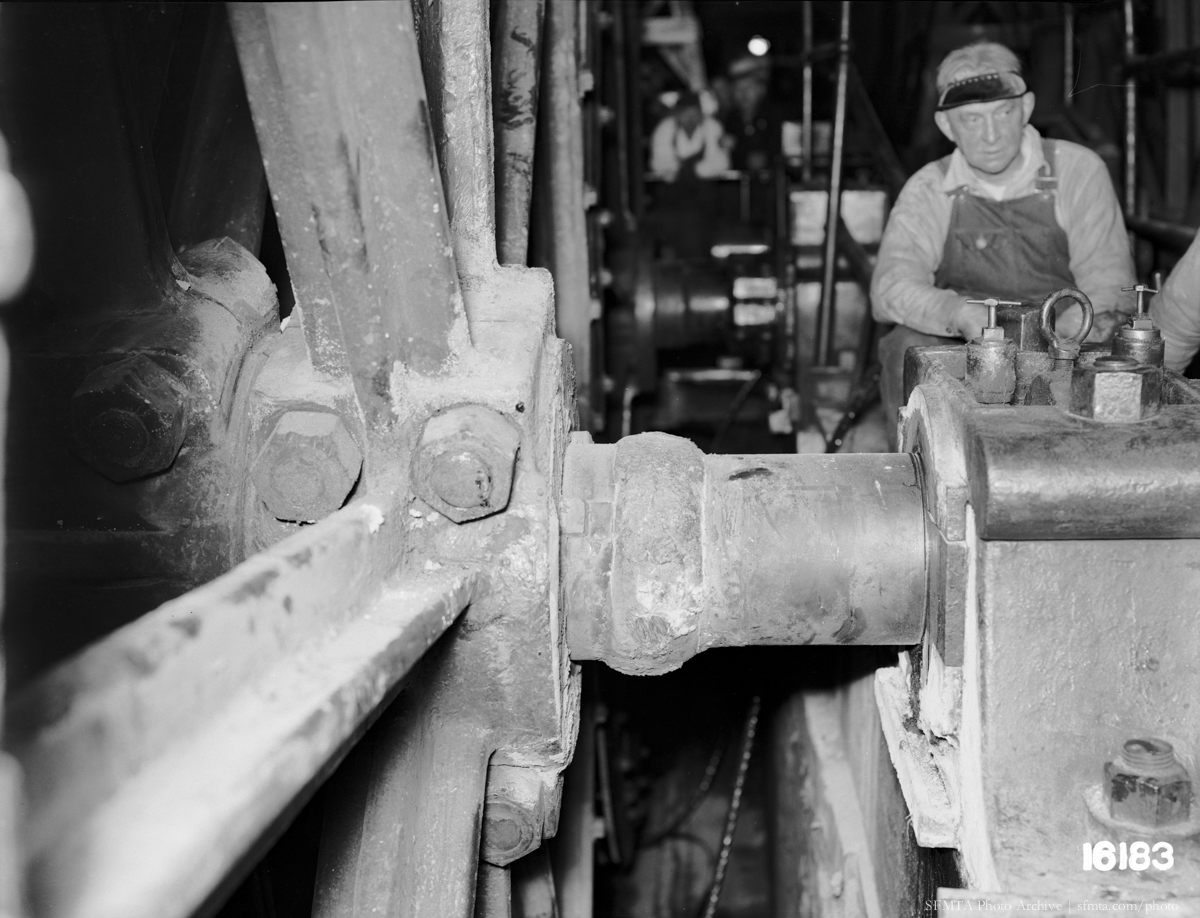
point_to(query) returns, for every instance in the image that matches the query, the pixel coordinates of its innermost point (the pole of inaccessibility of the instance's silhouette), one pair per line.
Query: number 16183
(1140, 855)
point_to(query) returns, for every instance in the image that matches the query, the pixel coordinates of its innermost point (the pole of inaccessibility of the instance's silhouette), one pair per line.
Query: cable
(734, 407)
(702, 789)
(735, 802)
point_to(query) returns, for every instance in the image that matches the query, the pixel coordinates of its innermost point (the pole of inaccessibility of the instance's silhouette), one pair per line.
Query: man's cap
(986, 87)
(748, 65)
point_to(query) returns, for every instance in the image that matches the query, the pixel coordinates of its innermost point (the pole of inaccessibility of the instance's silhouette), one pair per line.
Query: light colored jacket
(1176, 310)
(1086, 207)
(669, 146)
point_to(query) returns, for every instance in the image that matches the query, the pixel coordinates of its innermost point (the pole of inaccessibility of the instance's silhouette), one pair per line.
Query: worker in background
(688, 144)
(1008, 214)
(750, 120)
(1176, 310)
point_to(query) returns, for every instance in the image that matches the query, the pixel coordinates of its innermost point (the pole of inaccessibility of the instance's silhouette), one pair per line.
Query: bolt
(307, 466)
(463, 466)
(1116, 389)
(514, 814)
(128, 418)
(1147, 785)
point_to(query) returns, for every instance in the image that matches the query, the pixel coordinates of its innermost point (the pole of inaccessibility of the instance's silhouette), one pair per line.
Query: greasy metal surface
(1036, 473)
(991, 370)
(668, 552)
(1145, 344)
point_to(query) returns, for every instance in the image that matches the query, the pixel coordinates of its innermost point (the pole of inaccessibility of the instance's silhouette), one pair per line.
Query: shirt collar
(959, 174)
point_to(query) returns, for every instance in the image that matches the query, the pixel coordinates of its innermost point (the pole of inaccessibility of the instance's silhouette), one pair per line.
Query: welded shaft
(667, 551)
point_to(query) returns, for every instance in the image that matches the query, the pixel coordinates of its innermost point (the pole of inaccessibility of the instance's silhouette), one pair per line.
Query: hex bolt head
(463, 466)
(1147, 786)
(128, 418)
(307, 466)
(1117, 390)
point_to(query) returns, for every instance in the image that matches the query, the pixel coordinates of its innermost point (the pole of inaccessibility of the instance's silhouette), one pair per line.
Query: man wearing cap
(1008, 214)
(751, 121)
(687, 143)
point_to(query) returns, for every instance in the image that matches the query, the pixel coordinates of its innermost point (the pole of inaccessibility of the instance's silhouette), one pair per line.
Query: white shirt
(670, 145)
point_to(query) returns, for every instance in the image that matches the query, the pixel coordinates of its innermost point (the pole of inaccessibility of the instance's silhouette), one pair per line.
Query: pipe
(825, 314)
(667, 551)
(1130, 115)
(516, 69)
(806, 124)
(1068, 53)
(1178, 235)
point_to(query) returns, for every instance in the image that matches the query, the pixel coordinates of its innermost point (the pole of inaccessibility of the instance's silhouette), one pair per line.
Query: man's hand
(1105, 325)
(971, 319)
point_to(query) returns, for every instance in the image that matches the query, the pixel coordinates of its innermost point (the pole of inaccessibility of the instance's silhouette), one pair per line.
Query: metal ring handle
(1068, 347)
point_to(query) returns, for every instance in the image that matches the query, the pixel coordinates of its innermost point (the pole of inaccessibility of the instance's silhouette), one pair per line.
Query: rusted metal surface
(520, 808)
(463, 466)
(156, 758)
(307, 467)
(129, 417)
(668, 552)
(516, 72)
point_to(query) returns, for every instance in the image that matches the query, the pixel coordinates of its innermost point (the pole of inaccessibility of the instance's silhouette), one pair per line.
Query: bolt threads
(1148, 755)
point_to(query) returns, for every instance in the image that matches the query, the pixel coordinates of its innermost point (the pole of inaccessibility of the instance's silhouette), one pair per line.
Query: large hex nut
(463, 467)
(1116, 390)
(128, 418)
(1147, 786)
(307, 466)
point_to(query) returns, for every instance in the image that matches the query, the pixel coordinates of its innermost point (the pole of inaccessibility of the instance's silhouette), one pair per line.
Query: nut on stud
(463, 467)
(128, 418)
(1116, 390)
(1146, 785)
(307, 466)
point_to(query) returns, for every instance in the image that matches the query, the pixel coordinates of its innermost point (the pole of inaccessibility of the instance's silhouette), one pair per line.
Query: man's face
(989, 133)
(748, 92)
(689, 118)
